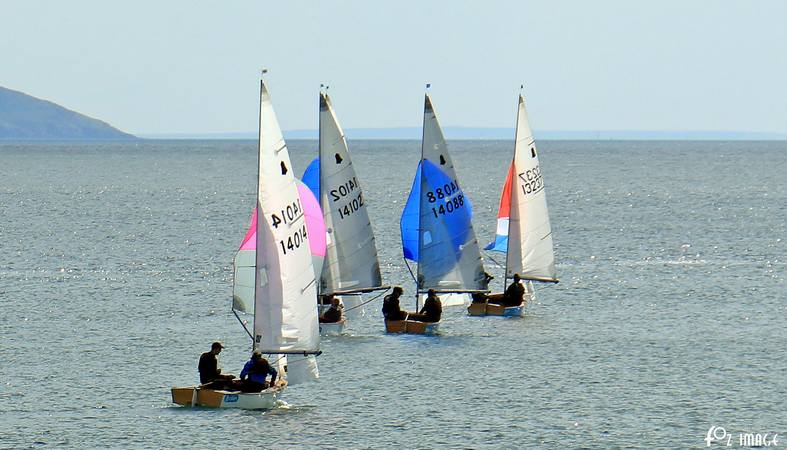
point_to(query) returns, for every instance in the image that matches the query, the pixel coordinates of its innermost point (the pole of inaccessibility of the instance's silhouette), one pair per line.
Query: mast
(427, 107)
(257, 207)
(320, 177)
(512, 183)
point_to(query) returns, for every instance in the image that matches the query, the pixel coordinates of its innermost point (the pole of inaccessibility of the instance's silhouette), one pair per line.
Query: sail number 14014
(295, 240)
(287, 216)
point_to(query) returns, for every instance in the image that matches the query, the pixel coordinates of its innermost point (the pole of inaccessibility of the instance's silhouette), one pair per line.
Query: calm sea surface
(671, 316)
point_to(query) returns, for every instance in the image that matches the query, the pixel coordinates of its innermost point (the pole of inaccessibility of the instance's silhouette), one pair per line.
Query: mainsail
(285, 318)
(523, 229)
(351, 263)
(436, 227)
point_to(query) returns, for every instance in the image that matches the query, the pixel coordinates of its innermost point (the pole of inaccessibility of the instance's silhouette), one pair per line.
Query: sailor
(432, 309)
(209, 371)
(325, 299)
(334, 313)
(515, 293)
(391, 308)
(255, 372)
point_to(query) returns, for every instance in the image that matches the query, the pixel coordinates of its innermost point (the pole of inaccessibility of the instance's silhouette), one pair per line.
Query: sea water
(670, 317)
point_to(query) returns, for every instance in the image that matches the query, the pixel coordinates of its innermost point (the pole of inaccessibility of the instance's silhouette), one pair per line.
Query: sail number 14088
(442, 195)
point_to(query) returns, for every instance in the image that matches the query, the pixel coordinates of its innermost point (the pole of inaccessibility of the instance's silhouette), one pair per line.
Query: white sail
(244, 265)
(351, 258)
(285, 317)
(447, 251)
(530, 252)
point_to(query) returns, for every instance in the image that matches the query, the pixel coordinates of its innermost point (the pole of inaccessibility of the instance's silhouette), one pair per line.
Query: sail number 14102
(346, 190)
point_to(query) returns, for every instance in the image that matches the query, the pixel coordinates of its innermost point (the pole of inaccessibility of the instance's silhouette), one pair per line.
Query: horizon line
(489, 133)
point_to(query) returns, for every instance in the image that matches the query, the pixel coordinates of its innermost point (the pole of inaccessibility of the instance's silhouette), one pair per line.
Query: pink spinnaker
(315, 225)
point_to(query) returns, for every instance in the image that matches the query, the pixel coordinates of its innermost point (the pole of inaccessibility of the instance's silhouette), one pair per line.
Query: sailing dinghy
(275, 275)
(351, 266)
(523, 230)
(437, 233)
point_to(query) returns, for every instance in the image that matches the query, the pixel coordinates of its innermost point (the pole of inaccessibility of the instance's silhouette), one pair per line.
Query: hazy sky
(192, 66)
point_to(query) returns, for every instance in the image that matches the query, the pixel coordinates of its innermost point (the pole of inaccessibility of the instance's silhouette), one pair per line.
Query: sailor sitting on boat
(432, 309)
(391, 308)
(209, 371)
(334, 313)
(254, 374)
(515, 293)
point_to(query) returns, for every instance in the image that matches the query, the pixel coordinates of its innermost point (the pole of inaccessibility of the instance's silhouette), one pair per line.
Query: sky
(158, 67)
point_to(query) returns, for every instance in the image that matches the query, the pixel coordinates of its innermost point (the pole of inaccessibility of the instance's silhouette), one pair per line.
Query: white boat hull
(332, 329)
(215, 398)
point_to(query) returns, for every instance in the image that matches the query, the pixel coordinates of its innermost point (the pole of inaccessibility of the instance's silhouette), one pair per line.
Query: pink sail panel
(250, 240)
(315, 225)
(503, 214)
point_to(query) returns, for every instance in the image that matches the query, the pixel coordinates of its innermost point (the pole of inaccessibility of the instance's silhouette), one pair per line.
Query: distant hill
(23, 117)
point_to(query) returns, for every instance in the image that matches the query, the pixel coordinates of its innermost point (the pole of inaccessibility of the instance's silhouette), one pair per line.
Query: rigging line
(244, 325)
(488, 255)
(410, 270)
(370, 300)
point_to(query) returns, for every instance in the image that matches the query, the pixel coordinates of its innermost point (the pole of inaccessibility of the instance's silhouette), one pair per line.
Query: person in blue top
(255, 372)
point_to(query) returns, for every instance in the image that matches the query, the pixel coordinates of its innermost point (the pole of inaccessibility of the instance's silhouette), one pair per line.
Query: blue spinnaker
(311, 177)
(438, 207)
(409, 220)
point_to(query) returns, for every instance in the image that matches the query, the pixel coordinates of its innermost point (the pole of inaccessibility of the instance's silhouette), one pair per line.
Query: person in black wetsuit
(432, 309)
(209, 371)
(334, 313)
(391, 308)
(515, 293)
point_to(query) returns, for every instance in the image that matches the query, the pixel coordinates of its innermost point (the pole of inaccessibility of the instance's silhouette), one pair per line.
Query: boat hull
(214, 398)
(411, 327)
(332, 329)
(492, 309)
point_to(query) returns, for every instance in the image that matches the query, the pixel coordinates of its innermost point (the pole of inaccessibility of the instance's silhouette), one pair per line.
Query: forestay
(436, 227)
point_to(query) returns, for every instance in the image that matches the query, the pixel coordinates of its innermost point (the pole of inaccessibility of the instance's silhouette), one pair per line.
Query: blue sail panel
(500, 244)
(446, 216)
(410, 220)
(311, 177)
